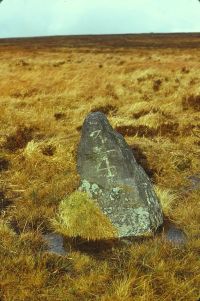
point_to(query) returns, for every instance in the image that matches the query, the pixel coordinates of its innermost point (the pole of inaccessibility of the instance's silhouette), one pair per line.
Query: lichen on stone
(110, 174)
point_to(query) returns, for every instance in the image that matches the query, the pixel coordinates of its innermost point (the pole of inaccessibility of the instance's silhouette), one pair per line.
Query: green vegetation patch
(78, 215)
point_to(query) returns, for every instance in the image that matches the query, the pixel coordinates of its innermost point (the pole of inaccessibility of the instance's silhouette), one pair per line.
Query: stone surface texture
(110, 174)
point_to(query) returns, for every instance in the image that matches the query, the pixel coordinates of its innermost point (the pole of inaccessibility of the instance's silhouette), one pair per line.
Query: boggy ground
(149, 88)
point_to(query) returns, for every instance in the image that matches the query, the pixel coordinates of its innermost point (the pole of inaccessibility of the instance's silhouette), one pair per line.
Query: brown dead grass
(151, 96)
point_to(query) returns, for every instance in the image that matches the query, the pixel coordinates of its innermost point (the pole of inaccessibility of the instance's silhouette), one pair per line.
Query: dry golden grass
(151, 96)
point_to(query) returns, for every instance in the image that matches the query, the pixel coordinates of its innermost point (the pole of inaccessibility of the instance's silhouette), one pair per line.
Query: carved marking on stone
(95, 134)
(111, 175)
(103, 140)
(104, 153)
(110, 151)
(108, 168)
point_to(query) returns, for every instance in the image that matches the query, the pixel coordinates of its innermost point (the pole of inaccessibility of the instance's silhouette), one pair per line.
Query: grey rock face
(110, 174)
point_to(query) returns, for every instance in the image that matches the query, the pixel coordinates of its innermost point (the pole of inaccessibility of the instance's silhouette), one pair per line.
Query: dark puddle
(55, 243)
(175, 236)
(171, 233)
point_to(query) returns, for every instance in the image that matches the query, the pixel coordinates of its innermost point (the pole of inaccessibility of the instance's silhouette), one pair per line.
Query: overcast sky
(63, 17)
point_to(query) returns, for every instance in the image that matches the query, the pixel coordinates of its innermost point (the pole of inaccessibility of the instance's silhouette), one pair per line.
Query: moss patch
(80, 216)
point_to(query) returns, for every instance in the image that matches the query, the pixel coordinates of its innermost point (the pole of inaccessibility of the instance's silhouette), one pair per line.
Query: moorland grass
(151, 96)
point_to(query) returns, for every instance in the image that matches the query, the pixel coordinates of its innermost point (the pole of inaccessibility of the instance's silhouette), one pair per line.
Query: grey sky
(63, 17)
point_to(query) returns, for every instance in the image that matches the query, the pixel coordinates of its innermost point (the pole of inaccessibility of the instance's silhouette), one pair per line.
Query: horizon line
(102, 34)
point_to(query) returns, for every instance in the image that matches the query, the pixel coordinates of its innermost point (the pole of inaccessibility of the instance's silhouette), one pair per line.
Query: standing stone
(110, 174)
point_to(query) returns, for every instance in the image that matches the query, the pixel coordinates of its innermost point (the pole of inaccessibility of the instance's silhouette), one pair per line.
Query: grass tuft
(167, 199)
(80, 216)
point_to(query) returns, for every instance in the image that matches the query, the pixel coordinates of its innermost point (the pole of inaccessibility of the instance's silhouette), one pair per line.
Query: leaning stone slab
(110, 174)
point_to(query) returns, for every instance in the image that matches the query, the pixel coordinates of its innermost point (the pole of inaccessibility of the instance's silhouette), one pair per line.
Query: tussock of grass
(80, 216)
(167, 199)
